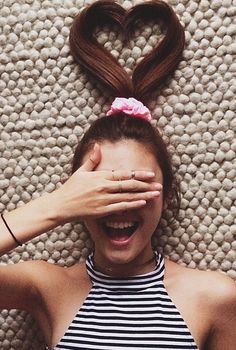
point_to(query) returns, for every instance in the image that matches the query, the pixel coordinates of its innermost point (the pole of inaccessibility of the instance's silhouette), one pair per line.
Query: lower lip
(121, 243)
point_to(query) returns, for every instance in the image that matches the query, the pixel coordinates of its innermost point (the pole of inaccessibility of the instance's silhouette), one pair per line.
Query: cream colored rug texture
(47, 101)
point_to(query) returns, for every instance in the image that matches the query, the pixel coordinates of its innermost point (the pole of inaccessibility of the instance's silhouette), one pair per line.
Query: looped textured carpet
(46, 102)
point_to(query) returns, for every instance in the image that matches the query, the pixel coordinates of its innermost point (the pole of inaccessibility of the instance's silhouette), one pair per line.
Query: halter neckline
(132, 283)
(127, 313)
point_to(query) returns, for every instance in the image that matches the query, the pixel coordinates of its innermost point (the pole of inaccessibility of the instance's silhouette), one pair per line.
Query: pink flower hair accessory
(129, 106)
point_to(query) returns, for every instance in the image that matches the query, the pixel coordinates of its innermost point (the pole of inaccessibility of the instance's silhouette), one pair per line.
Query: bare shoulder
(21, 283)
(53, 272)
(38, 269)
(37, 274)
(207, 299)
(27, 270)
(215, 286)
(210, 294)
(49, 279)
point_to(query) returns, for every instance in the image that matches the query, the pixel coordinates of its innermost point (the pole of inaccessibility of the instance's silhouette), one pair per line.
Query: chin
(120, 257)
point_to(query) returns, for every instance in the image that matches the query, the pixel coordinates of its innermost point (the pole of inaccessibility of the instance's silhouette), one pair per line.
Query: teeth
(119, 225)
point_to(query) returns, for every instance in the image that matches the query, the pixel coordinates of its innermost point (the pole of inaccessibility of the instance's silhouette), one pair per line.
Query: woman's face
(113, 241)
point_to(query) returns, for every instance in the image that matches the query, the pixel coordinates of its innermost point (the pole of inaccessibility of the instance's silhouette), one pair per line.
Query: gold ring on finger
(132, 174)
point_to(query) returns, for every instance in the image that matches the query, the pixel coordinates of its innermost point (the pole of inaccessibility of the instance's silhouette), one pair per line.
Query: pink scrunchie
(129, 106)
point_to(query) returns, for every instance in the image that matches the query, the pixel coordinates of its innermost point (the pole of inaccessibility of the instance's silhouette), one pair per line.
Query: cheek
(152, 211)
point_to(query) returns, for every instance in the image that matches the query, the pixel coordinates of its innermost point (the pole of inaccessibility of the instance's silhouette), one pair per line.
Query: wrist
(34, 218)
(55, 214)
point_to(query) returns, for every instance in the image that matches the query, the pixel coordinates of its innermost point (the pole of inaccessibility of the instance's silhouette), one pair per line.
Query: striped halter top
(131, 313)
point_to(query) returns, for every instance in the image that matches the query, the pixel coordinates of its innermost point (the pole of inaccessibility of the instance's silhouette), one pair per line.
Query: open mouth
(120, 231)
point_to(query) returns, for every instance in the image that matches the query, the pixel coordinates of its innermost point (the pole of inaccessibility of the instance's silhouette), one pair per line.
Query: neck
(128, 269)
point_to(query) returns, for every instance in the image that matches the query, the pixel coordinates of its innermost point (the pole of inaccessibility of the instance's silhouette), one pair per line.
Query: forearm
(28, 221)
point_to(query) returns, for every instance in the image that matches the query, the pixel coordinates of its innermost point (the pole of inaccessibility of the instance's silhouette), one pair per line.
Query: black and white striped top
(132, 313)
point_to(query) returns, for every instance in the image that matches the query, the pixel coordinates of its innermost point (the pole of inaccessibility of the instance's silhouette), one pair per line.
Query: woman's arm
(86, 193)
(27, 222)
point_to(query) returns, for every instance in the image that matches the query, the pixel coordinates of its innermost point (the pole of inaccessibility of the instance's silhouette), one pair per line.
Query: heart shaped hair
(155, 67)
(147, 76)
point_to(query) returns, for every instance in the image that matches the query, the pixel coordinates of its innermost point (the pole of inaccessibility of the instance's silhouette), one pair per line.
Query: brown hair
(152, 71)
(149, 74)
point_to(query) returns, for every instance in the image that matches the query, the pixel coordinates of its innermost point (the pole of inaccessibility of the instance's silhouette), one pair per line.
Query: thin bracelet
(12, 234)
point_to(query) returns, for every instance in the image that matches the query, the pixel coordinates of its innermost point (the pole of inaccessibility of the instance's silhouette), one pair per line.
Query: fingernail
(156, 193)
(150, 174)
(158, 186)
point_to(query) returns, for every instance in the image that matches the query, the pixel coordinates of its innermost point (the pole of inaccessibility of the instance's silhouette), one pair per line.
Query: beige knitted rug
(46, 102)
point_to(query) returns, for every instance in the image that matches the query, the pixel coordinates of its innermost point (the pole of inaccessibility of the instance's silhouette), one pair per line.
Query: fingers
(93, 160)
(133, 196)
(130, 174)
(133, 186)
(117, 202)
(124, 206)
(127, 204)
